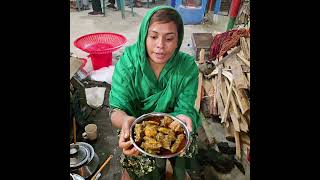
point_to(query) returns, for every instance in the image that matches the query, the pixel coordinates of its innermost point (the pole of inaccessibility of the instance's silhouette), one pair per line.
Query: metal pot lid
(78, 155)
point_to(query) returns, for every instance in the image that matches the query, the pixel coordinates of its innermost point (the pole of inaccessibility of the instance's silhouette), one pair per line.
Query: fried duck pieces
(151, 145)
(176, 126)
(150, 130)
(138, 129)
(177, 143)
(165, 121)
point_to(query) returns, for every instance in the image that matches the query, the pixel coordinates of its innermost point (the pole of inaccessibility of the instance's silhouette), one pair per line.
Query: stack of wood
(227, 89)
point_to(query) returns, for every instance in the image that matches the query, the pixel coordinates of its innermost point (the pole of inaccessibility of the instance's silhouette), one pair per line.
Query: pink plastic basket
(100, 46)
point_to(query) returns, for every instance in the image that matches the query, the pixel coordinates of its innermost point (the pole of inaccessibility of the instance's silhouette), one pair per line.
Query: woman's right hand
(124, 140)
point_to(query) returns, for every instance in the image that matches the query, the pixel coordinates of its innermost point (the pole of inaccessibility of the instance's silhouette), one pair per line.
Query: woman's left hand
(187, 120)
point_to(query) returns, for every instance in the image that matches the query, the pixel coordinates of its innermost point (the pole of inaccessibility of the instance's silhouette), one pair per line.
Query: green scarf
(136, 90)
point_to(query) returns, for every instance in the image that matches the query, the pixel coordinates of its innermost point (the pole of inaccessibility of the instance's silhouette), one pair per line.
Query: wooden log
(238, 76)
(242, 100)
(248, 76)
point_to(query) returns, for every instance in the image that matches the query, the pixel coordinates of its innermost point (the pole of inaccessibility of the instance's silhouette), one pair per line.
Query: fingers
(187, 120)
(131, 152)
(125, 145)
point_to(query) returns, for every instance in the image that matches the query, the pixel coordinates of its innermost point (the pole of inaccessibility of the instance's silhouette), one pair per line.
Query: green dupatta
(136, 90)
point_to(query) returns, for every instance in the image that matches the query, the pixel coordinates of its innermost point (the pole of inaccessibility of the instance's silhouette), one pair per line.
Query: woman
(154, 76)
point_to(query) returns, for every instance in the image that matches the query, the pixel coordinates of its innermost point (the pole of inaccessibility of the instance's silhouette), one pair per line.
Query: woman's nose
(160, 43)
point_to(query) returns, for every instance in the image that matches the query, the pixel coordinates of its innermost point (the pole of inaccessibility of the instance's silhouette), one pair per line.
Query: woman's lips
(160, 55)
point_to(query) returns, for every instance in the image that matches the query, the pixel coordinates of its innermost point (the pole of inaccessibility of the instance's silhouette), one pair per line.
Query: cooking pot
(83, 160)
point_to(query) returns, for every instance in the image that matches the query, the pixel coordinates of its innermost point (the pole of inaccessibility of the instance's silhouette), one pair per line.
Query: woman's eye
(170, 39)
(152, 37)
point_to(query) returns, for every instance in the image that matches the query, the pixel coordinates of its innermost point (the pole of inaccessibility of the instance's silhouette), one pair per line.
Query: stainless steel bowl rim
(82, 161)
(141, 118)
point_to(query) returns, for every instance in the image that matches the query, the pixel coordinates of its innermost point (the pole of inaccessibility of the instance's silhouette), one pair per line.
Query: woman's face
(162, 41)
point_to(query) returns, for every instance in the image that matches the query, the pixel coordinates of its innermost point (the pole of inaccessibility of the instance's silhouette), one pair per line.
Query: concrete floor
(107, 142)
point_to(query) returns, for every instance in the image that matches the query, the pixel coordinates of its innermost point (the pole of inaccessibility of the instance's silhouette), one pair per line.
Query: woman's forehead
(163, 28)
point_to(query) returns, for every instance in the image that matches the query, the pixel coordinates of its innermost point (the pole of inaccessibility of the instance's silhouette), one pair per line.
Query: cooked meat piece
(176, 126)
(177, 143)
(166, 131)
(165, 121)
(159, 136)
(166, 142)
(138, 132)
(151, 143)
(150, 130)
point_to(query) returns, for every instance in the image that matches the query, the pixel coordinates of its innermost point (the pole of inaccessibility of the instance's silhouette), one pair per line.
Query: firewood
(226, 109)
(242, 100)
(234, 111)
(245, 139)
(243, 124)
(248, 76)
(244, 47)
(238, 76)
(214, 109)
(245, 68)
(218, 96)
(201, 56)
(248, 43)
(243, 59)
(229, 132)
(233, 103)
(238, 144)
(198, 100)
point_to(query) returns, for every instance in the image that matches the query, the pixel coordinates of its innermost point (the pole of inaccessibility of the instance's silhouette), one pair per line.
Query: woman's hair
(166, 16)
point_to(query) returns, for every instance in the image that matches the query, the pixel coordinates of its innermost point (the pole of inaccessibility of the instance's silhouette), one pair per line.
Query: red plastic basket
(100, 46)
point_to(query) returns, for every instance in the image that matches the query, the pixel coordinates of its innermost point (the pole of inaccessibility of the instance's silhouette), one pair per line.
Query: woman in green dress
(154, 76)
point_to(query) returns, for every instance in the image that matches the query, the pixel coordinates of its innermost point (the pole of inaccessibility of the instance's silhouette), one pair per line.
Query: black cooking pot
(83, 160)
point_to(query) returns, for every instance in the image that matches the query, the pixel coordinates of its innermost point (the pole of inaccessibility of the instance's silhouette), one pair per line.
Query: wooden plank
(242, 100)
(245, 68)
(238, 144)
(207, 86)
(244, 47)
(201, 56)
(229, 131)
(243, 59)
(226, 109)
(243, 124)
(218, 97)
(245, 139)
(213, 109)
(238, 76)
(233, 103)
(248, 43)
(198, 100)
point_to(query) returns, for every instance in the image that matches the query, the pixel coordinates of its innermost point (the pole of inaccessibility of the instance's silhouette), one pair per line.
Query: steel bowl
(157, 114)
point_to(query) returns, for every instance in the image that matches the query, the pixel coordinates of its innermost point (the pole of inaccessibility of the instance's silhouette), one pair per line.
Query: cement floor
(107, 142)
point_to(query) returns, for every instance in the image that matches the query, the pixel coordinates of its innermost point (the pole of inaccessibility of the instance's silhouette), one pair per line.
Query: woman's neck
(157, 68)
